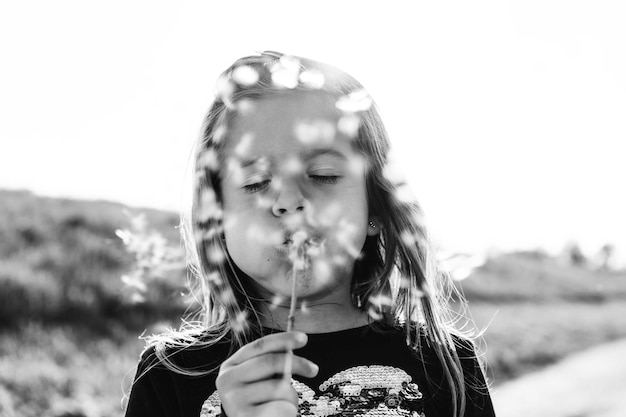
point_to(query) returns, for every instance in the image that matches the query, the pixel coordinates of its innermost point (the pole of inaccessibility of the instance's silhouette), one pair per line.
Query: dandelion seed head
(356, 101)
(315, 132)
(312, 79)
(245, 75)
(349, 125)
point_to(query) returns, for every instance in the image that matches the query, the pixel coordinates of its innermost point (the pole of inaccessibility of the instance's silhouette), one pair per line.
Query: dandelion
(298, 257)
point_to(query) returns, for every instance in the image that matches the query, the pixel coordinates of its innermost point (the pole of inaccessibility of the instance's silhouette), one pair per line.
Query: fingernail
(315, 368)
(301, 337)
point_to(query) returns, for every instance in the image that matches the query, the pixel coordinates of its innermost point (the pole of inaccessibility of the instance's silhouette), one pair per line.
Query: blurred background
(507, 118)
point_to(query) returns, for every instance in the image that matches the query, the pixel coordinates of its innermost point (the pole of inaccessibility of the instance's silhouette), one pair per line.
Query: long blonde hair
(396, 279)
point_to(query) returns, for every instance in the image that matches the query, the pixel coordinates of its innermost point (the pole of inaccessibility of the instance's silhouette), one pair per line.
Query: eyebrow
(307, 156)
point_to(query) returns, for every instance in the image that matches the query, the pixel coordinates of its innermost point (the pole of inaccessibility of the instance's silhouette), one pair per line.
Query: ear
(374, 226)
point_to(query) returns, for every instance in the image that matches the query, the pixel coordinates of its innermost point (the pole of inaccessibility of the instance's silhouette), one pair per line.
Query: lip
(285, 248)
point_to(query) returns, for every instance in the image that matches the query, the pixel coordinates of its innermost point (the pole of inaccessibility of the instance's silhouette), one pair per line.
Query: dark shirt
(361, 370)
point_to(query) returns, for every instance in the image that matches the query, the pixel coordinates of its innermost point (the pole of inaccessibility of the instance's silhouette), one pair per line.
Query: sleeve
(478, 400)
(151, 382)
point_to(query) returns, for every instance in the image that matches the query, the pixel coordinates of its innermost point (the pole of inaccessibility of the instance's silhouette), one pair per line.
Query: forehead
(290, 122)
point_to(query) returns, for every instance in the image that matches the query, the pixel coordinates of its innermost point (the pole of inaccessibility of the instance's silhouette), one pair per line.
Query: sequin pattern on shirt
(362, 391)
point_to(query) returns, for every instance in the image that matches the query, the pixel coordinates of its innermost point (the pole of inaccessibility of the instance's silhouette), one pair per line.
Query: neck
(321, 316)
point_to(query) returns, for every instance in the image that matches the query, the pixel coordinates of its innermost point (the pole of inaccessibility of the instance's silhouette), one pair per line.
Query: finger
(277, 409)
(265, 391)
(269, 365)
(278, 342)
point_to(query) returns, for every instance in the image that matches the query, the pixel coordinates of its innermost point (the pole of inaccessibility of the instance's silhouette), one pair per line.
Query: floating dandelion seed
(356, 101)
(349, 125)
(304, 308)
(344, 236)
(293, 166)
(392, 172)
(286, 72)
(407, 238)
(357, 165)
(380, 300)
(215, 254)
(219, 134)
(209, 209)
(135, 282)
(242, 148)
(404, 194)
(208, 160)
(312, 79)
(245, 107)
(224, 89)
(215, 278)
(315, 132)
(276, 301)
(238, 324)
(245, 75)
(227, 297)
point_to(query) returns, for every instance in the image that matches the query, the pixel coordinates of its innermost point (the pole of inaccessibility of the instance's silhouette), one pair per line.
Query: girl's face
(288, 168)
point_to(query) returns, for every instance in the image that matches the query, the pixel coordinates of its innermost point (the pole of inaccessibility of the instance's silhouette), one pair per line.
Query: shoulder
(197, 355)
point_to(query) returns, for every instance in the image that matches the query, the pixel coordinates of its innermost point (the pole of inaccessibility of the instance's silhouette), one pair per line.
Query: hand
(250, 382)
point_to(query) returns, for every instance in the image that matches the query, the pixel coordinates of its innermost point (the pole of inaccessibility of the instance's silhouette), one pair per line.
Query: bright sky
(509, 117)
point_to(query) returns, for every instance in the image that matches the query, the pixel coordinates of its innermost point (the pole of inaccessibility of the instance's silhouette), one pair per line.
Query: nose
(289, 198)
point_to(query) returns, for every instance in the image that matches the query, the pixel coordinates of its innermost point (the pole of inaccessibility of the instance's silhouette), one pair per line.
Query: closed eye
(256, 187)
(325, 179)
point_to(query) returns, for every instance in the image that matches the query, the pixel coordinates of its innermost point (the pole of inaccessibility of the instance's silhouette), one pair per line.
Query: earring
(372, 224)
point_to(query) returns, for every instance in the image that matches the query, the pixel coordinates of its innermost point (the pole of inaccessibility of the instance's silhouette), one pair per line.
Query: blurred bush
(61, 262)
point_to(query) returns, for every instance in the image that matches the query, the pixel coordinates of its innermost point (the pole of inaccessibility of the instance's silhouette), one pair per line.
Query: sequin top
(364, 371)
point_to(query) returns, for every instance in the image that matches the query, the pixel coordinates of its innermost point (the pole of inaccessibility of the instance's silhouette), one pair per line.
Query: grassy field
(69, 326)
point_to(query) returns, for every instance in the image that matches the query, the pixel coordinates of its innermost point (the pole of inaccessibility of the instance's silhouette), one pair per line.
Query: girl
(295, 205)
